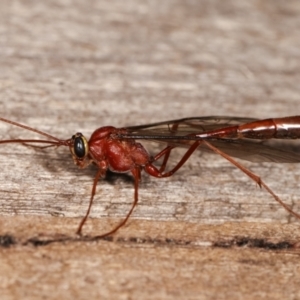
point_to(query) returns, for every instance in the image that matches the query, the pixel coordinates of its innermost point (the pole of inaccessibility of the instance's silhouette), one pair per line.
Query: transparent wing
(260, 151)
(186, 126)
(182, 133)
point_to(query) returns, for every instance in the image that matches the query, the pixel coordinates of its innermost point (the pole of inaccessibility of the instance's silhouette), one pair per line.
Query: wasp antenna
(30, 129)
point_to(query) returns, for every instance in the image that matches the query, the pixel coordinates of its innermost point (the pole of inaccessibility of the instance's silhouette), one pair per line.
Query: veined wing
(181, 133)
(182, 127)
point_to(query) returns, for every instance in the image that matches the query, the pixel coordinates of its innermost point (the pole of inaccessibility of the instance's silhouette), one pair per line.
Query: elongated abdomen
(280, 128)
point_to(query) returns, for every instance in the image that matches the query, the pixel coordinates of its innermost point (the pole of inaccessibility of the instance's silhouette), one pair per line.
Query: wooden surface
(207, 232)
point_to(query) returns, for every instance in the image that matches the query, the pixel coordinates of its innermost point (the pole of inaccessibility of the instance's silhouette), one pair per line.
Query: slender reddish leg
(254, 177)
(137, 176)
(166, 152)
(153, 171)
(99, 174)
(136, 172)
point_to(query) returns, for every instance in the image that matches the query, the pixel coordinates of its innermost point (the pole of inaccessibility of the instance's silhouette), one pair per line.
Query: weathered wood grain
(69, 66)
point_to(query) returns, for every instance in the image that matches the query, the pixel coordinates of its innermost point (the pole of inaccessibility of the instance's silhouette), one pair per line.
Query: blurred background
(96, 63)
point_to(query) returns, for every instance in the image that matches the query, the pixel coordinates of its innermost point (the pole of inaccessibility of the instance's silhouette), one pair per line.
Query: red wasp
(117, 149)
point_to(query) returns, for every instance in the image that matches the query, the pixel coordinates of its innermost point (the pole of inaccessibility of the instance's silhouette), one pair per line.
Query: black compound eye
(80, 145)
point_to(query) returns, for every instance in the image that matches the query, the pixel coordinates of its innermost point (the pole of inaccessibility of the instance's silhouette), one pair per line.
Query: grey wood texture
(208, 232)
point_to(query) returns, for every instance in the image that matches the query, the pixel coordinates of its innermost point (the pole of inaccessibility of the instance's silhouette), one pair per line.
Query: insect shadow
(60, 161)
